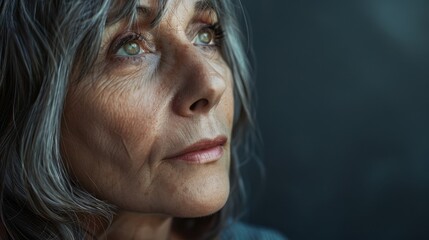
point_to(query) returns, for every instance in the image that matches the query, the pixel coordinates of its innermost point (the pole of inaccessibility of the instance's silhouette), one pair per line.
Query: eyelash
(121, 41)
(219, 34)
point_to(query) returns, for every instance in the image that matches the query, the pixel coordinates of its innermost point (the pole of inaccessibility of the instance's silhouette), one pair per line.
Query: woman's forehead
(151, 12)
(186, 2)
(155, 10)
(149, 7)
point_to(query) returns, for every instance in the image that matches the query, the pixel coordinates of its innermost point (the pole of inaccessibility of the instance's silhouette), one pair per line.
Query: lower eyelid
(130, 60)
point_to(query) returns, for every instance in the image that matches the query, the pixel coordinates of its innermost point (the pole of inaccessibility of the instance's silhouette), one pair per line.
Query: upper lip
(201, 145)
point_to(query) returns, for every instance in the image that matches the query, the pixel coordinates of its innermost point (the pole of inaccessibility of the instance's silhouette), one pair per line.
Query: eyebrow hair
(204, 5)
(143, 10)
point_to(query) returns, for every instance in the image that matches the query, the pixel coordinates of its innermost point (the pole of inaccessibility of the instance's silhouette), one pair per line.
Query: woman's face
(149, 128)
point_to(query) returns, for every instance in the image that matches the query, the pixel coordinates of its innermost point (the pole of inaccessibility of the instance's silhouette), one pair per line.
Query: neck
(131, 225)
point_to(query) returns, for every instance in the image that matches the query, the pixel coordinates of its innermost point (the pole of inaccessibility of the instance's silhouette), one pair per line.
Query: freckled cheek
(228, 101)
(135, 122)
(230, 107)
(118, 124)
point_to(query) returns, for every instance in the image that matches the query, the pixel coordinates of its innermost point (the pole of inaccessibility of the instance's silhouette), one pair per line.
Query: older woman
(119, 119)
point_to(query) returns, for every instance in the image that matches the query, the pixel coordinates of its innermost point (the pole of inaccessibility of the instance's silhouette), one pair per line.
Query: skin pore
(153, 92)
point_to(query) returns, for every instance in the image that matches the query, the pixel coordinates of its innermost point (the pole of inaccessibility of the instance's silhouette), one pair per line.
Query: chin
(206, 207)
(204, 200)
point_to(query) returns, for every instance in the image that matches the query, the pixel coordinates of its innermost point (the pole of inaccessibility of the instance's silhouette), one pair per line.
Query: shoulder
(239, 230)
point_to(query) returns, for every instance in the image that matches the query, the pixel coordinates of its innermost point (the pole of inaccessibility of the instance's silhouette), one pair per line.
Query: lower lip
(202, 156)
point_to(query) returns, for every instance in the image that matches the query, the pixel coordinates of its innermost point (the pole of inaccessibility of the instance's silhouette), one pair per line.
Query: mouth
(203, 151)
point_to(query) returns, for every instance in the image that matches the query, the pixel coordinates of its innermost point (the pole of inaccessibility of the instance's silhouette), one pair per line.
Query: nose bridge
(201, 84)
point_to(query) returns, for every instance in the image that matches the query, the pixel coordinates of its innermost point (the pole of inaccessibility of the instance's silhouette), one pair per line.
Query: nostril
(199, 104)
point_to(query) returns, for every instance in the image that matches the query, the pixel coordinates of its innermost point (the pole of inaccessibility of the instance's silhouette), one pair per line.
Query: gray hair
(41, 50)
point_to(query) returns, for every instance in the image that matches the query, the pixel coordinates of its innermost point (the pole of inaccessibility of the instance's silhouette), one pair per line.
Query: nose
(201, 83)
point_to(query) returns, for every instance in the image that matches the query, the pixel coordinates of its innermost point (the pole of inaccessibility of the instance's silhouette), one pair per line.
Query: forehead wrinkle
(194, 8)
(139, 12)
(156, 11)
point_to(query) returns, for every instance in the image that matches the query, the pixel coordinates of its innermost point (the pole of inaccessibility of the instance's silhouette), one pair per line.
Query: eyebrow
(143, 10)
(204, 5)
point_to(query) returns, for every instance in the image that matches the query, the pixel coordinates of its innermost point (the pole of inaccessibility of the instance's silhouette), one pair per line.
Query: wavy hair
(41, 49)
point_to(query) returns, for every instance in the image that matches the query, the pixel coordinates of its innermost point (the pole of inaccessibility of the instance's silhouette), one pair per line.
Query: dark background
(343, 109)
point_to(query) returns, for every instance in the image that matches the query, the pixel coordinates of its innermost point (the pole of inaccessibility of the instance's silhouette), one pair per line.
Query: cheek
(230, 106)
(227, 103)
(108, 133)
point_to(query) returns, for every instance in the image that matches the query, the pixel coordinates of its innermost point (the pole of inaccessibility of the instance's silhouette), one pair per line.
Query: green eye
(204, 37)
(131, 48)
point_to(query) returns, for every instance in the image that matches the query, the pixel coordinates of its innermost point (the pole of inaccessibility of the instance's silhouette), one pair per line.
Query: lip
(203, 151)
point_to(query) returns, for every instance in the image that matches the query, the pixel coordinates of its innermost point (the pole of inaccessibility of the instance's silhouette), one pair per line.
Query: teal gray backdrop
(343, 110)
